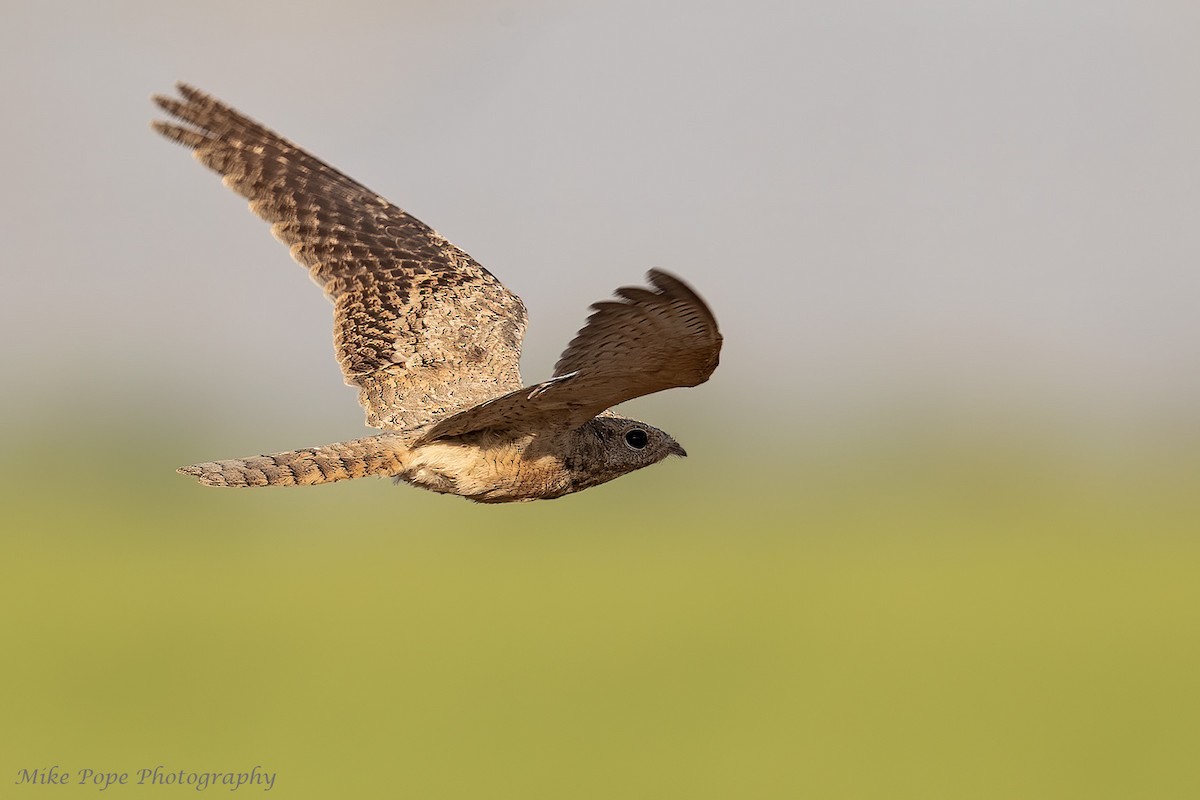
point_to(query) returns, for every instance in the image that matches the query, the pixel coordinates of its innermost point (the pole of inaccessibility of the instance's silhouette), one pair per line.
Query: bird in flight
(432, 340)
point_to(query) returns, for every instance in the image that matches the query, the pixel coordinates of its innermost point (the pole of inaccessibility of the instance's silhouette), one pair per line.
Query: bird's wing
(420, 327)
(646, 341)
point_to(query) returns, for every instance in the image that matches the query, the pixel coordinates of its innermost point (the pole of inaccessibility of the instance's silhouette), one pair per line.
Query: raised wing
(420, 327)
(643, 343)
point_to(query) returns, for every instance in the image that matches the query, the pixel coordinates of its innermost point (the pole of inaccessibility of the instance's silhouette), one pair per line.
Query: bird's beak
(677, 450)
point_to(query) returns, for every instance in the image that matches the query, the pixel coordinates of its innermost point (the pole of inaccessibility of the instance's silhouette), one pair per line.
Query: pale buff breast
(500, 473)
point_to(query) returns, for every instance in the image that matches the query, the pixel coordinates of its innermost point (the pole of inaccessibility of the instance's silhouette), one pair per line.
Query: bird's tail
(374, 455)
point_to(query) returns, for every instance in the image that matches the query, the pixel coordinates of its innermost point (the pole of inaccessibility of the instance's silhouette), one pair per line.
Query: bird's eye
(636, 438)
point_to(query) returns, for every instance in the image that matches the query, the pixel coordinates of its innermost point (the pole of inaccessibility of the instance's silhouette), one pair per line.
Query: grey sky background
(969, 207)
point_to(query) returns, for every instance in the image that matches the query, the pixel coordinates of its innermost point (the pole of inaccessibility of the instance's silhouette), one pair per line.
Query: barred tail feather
(375, 455)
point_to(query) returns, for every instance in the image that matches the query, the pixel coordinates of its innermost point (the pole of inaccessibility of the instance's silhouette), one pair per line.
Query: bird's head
(611, 446)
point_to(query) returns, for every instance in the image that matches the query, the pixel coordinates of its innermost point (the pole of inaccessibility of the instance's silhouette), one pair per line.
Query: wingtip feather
(179, 134)
(168, 104)
(189, 91)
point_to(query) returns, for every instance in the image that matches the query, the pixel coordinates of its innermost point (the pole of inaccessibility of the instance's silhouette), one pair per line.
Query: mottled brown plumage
(432, 340)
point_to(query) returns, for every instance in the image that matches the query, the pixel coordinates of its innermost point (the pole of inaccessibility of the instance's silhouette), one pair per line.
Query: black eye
(636, 438)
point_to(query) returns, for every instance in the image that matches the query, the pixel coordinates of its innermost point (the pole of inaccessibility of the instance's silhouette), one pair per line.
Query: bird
(432, 340)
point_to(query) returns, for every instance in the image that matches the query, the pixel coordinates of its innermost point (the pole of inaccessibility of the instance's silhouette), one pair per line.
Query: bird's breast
(495, 472)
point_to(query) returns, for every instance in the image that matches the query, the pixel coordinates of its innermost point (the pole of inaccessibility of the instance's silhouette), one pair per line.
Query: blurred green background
(937, 533)
(958, 620)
